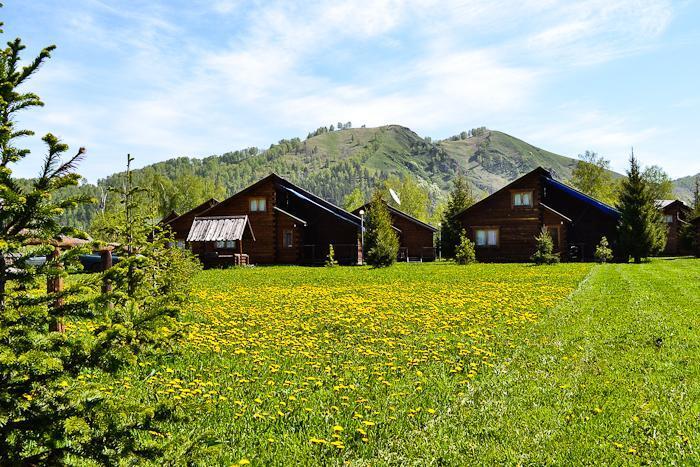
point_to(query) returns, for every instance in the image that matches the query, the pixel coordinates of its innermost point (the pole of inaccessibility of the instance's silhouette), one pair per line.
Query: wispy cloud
(163, 79)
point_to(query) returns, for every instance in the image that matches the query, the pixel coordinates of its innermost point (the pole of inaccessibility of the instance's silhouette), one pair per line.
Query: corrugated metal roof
(218, 228)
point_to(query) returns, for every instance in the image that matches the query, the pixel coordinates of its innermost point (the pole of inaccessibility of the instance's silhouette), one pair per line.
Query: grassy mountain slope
(683, 187)
(332, 163)
(493, 159)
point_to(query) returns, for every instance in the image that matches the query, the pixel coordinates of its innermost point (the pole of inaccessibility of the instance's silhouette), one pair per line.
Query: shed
(218, 240)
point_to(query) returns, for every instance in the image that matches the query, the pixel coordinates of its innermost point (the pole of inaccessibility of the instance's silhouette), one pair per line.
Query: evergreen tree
(50, 412)
(465, 252)
(544, 251)
(603, 253)
(641, 230)
(381, 242)
(461, 197)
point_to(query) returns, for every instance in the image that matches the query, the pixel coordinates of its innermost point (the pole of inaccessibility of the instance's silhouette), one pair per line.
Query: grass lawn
(437, 364)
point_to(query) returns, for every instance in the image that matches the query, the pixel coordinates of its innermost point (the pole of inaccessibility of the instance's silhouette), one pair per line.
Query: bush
(330, 259)
(545, 247)
(603, 253)
(464, 251)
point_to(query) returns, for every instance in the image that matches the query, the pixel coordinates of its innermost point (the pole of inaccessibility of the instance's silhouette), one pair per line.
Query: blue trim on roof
(335, 212)
(583, 197)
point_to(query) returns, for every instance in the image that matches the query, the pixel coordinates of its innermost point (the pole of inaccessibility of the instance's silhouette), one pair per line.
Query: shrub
(603, 253)
(545, 247)
(330, 259)
(464, 251)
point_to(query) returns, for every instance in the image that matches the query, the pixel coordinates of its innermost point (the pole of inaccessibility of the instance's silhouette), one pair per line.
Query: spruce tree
(461, 197)
(641, 230)
(544, 250)
(381, 242)
(50, 412)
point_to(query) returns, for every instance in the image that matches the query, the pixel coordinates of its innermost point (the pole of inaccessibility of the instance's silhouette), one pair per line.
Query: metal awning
(219, 228)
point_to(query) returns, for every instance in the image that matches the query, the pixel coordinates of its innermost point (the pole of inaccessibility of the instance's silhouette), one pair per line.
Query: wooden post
(54, 284)
(106, 259)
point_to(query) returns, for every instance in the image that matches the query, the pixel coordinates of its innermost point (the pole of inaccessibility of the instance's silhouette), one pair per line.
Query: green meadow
(434, 364)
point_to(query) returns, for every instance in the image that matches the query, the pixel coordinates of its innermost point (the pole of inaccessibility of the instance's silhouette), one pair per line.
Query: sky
(170, 78)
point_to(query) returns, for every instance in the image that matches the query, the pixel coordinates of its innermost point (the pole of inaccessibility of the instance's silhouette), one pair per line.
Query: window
(230, 244)
(522, 199)
(220, 244)
(225, 244)
(554, 233)
(288, 239)
(486, 237)
(669, 218)
(258, 205)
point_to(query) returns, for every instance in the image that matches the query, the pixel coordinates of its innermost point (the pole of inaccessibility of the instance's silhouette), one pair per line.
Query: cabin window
(554, 233)
(669, 218)
(258, 205)
(225, 244)
(288, 239)
(220, 244)
(522, 199)
(486, 237)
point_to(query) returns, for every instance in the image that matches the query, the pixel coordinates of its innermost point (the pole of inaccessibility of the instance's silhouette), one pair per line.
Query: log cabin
(416, 238)
(675, 213)
(291, 225)
(504, 225)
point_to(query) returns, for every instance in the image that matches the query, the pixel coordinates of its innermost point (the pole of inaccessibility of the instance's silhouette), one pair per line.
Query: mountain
(683, 187)
(333, 163)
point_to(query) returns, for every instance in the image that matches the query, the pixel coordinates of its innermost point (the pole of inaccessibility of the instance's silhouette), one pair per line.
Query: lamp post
(439, 240)
(362, 233)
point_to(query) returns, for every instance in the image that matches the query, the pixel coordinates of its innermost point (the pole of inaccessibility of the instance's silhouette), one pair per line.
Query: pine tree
(641, 230)
(381, 242)
(603, 253)
(49, 412)
(465, 252)
(461, 197)
(544, 251)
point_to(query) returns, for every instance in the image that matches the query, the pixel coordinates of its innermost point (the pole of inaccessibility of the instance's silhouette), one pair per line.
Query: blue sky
(169, 78)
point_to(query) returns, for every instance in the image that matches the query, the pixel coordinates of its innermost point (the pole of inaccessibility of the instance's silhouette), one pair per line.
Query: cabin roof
(304, 195)
(550, 181)
(172, 215)
(301, 221)
(601, 206)
(664, 203)
(219, 228)
(552, 210)
(400, 214)
(201, 208)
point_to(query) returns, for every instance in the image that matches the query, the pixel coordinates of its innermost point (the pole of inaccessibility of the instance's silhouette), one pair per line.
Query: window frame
(522, 191)
(291, 238)
(669, 216)
(487, 229)
(257, 200)
(557, 247)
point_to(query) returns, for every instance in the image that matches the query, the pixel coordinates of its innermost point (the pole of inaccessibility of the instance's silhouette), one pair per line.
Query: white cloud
(428, 64)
